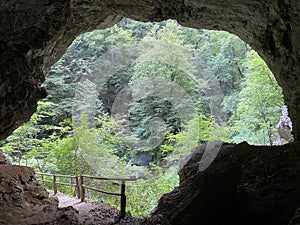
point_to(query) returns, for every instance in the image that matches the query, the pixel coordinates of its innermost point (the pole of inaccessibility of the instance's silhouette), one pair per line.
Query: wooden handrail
(106, 178)
(101, 191)
(66, 184)
(57, 175)
(55, 183)
(50, 181)
(80, 187)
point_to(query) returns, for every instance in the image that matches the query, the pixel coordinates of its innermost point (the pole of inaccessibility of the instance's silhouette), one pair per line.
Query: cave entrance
(146, 94)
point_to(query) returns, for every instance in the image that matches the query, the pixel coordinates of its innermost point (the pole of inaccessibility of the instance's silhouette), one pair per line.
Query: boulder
(244, 185)
(24, 200)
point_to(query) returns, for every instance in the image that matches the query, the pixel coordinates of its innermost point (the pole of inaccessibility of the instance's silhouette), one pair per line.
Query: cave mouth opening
(103, 75)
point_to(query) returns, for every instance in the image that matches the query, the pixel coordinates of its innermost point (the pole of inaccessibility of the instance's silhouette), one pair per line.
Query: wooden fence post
(82, 191)
(80, 188)
(123, 199)
(54, 185)
(77, 187)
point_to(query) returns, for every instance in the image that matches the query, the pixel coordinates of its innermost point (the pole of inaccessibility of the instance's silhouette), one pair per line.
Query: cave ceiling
(34, 34)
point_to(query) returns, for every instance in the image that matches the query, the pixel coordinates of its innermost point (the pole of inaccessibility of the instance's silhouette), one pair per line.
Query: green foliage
(86, 102)
(164, 68)
(143, 195)
(66, 156)
(223, 55)
(199, 130)
(259, 104)
(34, 138)
(40, 156)
(62, 81)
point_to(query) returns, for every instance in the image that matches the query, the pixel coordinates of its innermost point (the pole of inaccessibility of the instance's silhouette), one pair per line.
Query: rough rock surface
(296, 219)
(24, 201)
(3, 159)
(260, 184)
(244, 185)
(34, 34)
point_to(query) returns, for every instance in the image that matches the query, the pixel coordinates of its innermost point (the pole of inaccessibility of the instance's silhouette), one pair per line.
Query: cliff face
(253, 182)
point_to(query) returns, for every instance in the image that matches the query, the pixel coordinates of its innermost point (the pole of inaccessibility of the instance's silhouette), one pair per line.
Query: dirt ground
(95, 213)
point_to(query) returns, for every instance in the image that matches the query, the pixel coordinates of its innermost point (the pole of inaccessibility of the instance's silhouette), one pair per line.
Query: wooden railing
(80, 187)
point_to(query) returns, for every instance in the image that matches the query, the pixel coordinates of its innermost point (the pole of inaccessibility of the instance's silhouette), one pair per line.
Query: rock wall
(23, 200)
(245, 185)
(34, 34)
(256, 183)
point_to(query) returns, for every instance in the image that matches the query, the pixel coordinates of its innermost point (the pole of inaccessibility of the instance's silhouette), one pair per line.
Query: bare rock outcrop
(24, 201)
(245, 185)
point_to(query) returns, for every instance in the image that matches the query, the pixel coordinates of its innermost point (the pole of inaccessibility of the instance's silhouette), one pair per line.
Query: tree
(86, 102)
(223, 55)
(32, 135)
(259, 104)
(161, 86)
(201, 129)
(62, 80)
